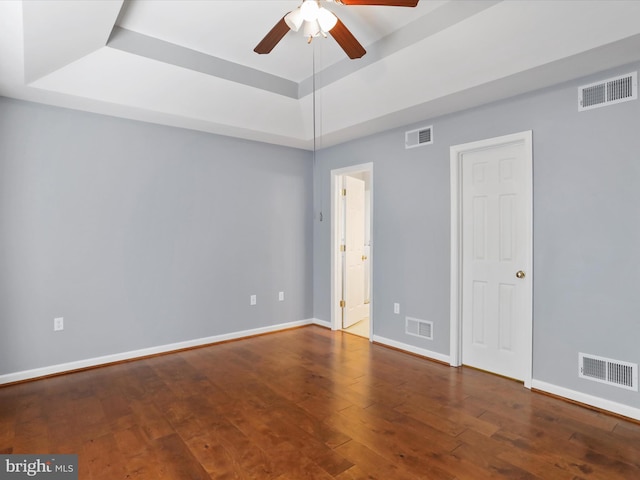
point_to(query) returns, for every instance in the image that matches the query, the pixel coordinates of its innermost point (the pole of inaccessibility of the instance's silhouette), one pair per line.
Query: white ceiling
(191, 63)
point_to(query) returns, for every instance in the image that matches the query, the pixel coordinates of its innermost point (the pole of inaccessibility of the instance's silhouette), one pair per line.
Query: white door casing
(354, 237)
(491, 232)
(336, 240)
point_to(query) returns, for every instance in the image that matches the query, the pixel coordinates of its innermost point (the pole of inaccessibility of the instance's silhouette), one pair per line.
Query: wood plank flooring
(310, 404)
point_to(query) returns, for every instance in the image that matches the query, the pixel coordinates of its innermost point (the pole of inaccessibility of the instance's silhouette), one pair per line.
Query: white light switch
(396, 308)
(281, 296)
(253, 300)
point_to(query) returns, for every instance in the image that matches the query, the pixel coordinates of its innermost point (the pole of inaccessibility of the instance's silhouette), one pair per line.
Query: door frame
(336, 256)
(456, 155)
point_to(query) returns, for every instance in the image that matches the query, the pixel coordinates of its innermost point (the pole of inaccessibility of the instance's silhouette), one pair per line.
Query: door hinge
(343, 248)
(344, 192)
(342, 304)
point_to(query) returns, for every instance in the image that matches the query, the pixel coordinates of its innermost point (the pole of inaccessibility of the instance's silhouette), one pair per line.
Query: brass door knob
(364, 257)
(520, 274)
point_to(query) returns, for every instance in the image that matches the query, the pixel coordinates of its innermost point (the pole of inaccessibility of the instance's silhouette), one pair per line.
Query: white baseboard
(145, 352)
(322, 323)
(608, 405)
(410, 348)
(601, 403)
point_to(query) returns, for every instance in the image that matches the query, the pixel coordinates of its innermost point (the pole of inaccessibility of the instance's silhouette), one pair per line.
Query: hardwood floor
(310, 404)
(361, 328)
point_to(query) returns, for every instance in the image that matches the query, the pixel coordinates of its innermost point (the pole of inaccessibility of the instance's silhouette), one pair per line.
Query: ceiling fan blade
(272, 38)
(347, 41)
(384, 3)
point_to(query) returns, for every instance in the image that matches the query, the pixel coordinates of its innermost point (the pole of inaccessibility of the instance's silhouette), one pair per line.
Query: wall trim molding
(423, 352)
(583, 398)
(586, 399)
(321, 323)
(147, 352)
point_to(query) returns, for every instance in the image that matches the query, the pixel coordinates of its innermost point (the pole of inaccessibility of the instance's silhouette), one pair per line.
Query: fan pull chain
(313, 91)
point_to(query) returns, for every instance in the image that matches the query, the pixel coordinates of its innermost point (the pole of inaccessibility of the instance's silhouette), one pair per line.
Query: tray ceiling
(191, 64)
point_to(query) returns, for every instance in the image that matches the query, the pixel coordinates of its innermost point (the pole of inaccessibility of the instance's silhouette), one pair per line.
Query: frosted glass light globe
(294, 19)
(326, 19)
(309, 10)
(311, 29)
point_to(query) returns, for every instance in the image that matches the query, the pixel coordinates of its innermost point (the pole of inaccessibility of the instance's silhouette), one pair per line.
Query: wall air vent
(608, 92)
(419, 137)
(419, 328)
(612, 372)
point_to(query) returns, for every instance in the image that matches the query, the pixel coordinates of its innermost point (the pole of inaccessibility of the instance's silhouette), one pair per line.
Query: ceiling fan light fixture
(309, 10)
(311, 29)
(315, 20)
(326, 19)
(294, 19)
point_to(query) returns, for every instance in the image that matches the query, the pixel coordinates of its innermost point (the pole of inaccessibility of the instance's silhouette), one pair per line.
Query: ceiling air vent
(419, 137)
(611, 372)
(607, 92)
(419, 328)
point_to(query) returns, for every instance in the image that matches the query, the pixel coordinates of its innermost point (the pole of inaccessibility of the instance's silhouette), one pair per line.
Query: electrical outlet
(281, 296)
(396, 308)
(58, 324)
(253, 300)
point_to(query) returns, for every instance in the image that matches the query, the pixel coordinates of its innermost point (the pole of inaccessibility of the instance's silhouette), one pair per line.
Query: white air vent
(607, 92)
(419, 137)
(419, 328)
(611, 372)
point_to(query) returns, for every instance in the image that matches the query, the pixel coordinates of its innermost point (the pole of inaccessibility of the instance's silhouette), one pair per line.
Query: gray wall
(141, 235)
(586, 228)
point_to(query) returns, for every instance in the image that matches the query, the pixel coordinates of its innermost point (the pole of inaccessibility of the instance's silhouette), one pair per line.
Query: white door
(354, 273)
(496, 248)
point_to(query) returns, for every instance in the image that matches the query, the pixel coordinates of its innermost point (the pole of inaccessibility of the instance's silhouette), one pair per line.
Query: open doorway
(352, 249)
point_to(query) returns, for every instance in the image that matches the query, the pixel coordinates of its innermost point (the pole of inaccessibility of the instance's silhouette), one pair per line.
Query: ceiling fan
(316, 20)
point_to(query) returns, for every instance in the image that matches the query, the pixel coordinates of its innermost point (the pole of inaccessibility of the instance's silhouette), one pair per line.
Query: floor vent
(419, 328)
(612, 372)
(419, 137)
(608, 92)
